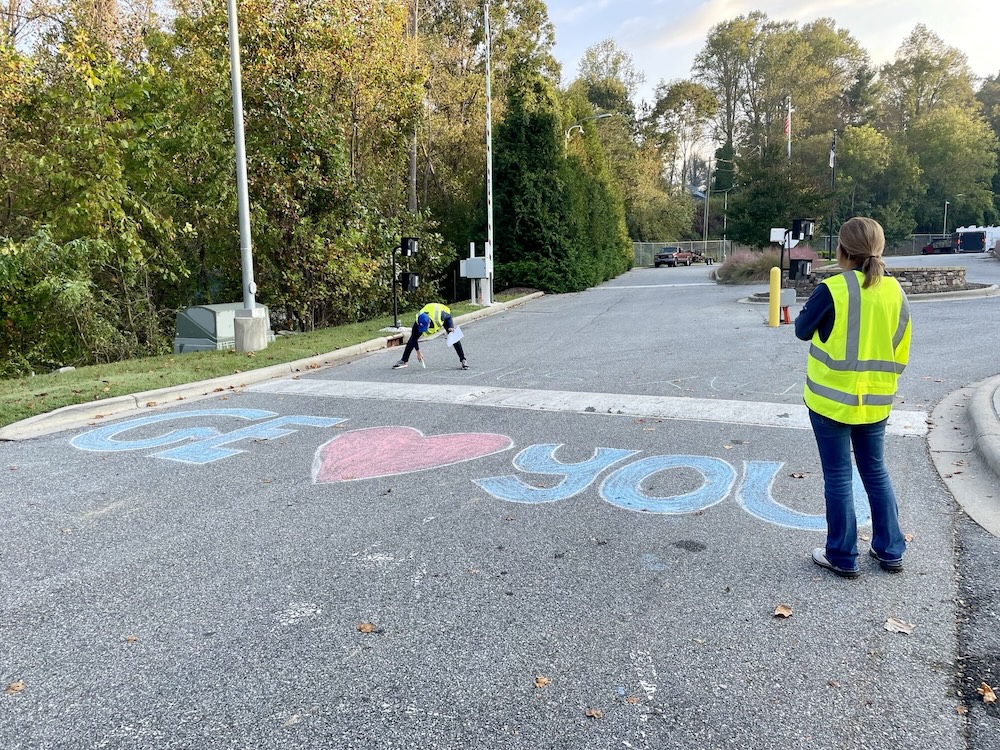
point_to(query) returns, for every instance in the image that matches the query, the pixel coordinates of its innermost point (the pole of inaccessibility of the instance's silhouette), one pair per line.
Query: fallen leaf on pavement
(632, 699)
(961, 710)
(898, 626)
(150, 403)
(593, 713)
(798, 475)
(834, 683)
(14, 688)
(131, 639)
(782, 610)
(541, 682)
(908, 537)
(366, 627)
(987, 692)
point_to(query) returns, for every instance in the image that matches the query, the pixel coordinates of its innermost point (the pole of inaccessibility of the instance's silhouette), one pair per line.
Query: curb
(987, 291)
(964, 445)
(76, 415)
(984, 423)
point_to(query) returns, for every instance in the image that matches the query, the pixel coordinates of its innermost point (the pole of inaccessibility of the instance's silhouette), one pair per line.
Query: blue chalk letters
(209, 441)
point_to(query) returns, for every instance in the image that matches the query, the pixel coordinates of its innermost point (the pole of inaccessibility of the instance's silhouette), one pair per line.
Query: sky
(664, 36)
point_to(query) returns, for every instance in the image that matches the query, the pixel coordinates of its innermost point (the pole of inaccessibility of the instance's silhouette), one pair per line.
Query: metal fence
(719, 250)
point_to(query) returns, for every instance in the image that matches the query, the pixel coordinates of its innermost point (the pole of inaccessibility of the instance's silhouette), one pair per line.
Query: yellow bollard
(774, 300)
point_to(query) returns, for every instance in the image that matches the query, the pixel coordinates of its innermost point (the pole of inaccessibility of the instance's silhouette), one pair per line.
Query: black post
(395, 302)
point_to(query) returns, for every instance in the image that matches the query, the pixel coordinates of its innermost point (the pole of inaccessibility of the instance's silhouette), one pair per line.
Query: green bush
(746, 267)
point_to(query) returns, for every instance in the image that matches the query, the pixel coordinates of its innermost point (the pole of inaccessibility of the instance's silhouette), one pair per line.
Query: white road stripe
(795, 416)
(608, 287)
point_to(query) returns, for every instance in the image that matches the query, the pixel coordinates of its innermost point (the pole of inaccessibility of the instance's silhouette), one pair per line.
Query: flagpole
(833, 198)
(788, 126)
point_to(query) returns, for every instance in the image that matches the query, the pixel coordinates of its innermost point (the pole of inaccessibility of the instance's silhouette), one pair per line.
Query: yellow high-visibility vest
(436, 313)
(852, 377)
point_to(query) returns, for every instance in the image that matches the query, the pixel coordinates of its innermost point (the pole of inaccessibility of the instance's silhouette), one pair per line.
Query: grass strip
(21, 398)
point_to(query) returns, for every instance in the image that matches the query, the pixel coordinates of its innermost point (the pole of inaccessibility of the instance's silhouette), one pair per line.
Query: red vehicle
(939, 245)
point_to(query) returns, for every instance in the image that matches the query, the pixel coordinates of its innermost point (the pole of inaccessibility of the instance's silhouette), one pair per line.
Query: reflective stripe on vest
(436, 313)
(850, 385)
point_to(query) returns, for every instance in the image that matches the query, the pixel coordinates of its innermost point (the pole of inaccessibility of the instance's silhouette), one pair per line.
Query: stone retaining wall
(913, 280)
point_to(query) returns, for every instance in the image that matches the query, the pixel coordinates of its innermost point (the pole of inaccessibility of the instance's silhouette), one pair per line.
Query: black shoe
(819, 557)
(400, 365)
(465, 365)
(889, 566)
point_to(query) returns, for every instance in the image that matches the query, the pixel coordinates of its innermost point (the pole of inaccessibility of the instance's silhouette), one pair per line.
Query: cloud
(694, 26)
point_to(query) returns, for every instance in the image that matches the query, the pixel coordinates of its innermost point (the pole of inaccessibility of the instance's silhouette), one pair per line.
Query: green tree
(989, 97)
(925, 74)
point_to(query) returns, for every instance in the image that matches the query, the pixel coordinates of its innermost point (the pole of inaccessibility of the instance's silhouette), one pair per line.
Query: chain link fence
(719, 250)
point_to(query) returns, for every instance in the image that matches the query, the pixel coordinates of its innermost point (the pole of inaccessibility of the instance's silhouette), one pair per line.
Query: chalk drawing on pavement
(209, 441)
(755, 496)
(388, 451)
(541, 459)
(622, 488)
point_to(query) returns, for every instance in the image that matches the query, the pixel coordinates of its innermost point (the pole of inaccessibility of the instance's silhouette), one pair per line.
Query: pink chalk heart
(387, 451)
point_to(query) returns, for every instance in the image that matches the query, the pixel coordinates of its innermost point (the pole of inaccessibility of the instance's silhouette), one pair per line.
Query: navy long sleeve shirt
(817, 315)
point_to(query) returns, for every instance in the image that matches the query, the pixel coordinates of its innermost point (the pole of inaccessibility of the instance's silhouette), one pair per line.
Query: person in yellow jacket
(858, 323)
(430, 319)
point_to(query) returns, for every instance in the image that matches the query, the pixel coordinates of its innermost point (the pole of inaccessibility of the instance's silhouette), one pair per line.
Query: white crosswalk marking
(794, 416)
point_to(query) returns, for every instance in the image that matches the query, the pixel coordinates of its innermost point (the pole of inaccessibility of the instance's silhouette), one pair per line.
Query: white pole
(246, 246)
(789, 121)
(708, 197)
(488, 295)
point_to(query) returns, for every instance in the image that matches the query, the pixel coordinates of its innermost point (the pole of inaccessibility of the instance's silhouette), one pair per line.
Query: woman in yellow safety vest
(430, 319)
(858, 323)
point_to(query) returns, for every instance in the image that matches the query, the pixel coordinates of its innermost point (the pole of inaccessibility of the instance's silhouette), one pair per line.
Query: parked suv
(674, 256)
(666, 256)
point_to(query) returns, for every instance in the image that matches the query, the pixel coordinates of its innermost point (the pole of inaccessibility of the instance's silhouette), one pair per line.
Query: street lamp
(944, 227)
(578, 126)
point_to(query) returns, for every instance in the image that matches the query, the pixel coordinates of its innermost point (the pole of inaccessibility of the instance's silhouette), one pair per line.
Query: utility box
(472, 268)
(799, 269)
(209, 328)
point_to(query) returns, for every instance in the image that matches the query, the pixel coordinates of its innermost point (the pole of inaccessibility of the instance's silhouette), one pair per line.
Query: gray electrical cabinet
(473, 268)
(208, 328)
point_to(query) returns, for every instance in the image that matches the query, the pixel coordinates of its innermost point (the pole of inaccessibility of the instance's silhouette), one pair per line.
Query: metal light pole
(250, 325)
(246, 252)
(488, 293)
(944, 225)
(578, 125)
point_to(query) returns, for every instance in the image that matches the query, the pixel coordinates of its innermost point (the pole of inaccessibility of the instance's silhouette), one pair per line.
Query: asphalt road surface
(579, 543)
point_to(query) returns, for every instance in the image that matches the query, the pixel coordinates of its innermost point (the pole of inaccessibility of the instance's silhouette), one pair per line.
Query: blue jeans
(834, 440)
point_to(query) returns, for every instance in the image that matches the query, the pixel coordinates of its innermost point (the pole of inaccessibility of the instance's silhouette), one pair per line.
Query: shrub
(746, 267)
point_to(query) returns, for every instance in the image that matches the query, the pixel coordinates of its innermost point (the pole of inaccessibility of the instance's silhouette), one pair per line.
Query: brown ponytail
(862, 241)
